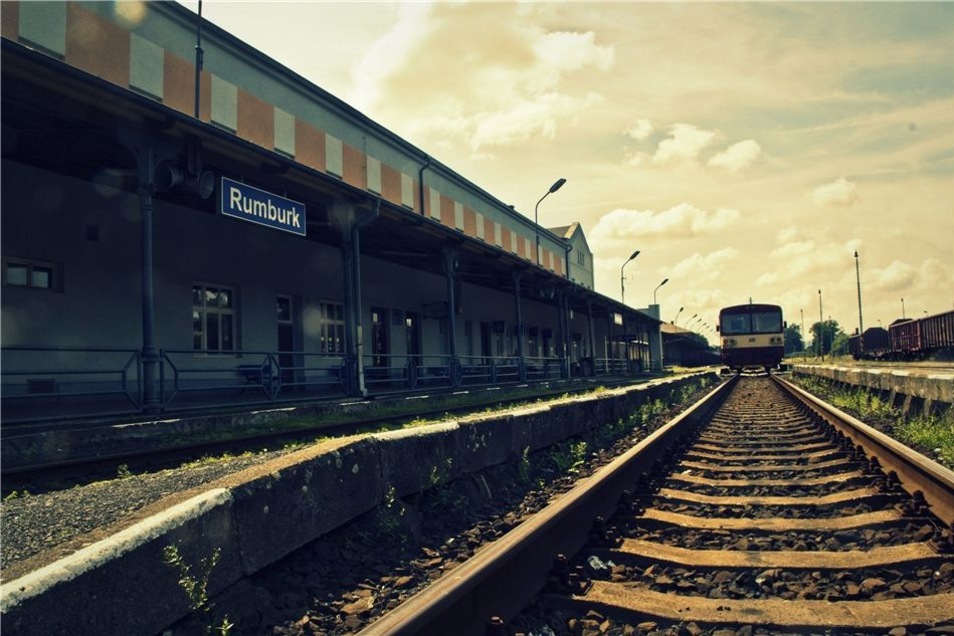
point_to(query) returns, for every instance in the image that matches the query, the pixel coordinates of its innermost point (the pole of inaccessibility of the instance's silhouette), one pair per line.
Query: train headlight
(730, 342)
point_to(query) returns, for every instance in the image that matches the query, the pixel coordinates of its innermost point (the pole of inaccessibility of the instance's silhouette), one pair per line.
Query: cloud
(685, 143)
(737, 156)
(797, 258)
(635, 159)
(528, 120)
(681, 221)
(840, 192)
(640, 130)
(704, 268)
(507, 81)
(896, 277)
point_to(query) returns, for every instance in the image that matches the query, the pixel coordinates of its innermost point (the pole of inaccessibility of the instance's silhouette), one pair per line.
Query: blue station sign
(258, 206)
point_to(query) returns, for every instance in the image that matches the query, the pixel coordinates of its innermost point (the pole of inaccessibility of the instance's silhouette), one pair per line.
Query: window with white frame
(20, 272)
(331, 327)
(213, 317)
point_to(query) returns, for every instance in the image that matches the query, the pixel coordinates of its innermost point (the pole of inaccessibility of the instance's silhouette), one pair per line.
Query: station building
(193, 226)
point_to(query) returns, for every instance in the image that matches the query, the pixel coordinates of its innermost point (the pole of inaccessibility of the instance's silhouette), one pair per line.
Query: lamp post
(802, 314)
(861, 324)
(622, 285)
(677, 315)
(556, 186)
(821, 327)
(665, 280)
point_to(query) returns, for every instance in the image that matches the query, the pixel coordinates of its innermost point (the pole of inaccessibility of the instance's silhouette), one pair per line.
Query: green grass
(935, 432)
(931, 435)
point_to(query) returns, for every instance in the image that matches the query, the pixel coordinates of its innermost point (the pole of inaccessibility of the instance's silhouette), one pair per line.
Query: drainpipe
(199, 56)
(569, 248)
(420, 182)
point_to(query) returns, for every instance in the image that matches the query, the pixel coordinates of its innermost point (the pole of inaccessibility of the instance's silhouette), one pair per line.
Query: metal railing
(264, 376)
(49, 383)
(40, 382)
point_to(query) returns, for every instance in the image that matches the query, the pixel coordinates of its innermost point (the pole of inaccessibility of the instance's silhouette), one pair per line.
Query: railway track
(758, 510)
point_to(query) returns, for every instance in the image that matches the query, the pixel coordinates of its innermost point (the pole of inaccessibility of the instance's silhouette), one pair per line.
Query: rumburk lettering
(263, 209)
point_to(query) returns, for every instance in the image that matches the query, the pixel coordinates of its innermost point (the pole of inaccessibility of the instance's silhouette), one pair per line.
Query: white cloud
(642, 129)
(685, 143)
(704, 268)
(527, 120)
(681, 221)
(635, 159)
(737, 156)
(791, 248)
(504, 83)
(840, 192)
(896, 277)
(786, 234)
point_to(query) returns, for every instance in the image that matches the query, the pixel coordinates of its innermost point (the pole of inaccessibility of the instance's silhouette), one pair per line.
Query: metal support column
(351, 225)
(351, 316)
(450, 270)
(589, 322)
(562, 325)
(146, 165)
(521, 359)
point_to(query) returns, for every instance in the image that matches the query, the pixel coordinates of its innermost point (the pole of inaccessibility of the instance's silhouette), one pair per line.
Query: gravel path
(35, 523)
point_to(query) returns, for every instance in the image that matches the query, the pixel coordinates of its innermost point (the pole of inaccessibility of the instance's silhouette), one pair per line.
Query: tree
(793, 339)
(840, 346)
(825, 334)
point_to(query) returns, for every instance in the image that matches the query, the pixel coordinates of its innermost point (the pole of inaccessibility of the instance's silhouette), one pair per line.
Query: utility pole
(861, 324)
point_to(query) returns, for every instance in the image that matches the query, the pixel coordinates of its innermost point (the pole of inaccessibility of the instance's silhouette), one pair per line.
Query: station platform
(916, 389)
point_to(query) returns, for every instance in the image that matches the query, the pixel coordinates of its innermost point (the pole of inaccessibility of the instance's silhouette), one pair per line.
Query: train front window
(736, 323)
(768, 322)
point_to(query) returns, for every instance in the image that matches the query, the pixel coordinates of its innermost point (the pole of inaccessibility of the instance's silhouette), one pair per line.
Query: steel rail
(503, 578)
(915, 472)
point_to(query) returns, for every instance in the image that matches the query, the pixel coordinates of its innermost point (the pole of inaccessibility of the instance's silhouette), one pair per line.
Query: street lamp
(677, 315)
(665, 280)
(821, 327)
(692, 319)
(622, 285)
(556, 186)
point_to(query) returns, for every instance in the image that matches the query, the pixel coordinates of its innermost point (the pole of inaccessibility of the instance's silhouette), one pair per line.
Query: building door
(412, 326)
(485, 350)
(286, 339)
(380, 343)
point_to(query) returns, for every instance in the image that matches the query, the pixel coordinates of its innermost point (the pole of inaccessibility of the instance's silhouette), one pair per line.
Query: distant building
(685, 348)
(579, 257)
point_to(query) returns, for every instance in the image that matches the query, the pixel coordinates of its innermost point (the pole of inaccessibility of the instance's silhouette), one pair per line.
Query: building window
(331, 328)
(213, 318)
(26, 273)
(581, 259)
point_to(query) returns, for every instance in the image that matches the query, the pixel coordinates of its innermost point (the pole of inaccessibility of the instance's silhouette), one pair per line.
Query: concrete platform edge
(122, 585)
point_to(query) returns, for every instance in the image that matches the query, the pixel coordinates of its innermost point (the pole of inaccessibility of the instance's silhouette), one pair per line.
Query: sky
(746, 149)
